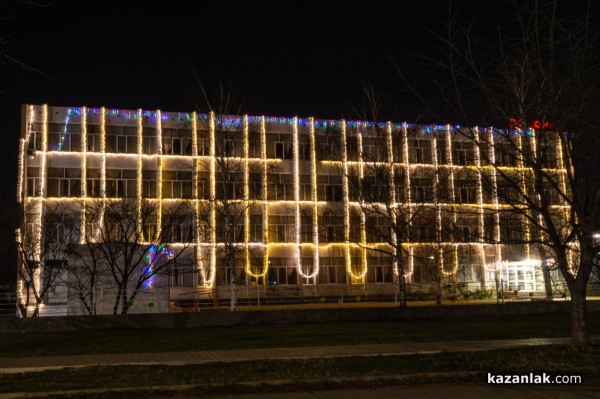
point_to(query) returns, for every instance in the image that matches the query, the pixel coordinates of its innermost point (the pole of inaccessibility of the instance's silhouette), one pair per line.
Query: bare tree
(123, 241)
(539, 71)
(224, 213)
(42, 250)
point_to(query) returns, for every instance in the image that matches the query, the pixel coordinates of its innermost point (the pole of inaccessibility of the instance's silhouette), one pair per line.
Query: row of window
(419, 151)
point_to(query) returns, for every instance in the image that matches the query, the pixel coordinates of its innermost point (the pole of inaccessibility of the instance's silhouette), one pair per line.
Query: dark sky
(304, 58)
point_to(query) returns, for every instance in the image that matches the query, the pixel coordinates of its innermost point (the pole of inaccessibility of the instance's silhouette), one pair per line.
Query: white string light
(523, 188)
(493, 178)
(83, 186)
(479, 194)
(392, 194)
(213, 203)
(140, 130)
(345, 199)
(315, 218)
(406, 164)
(452, 196)
(265, 192)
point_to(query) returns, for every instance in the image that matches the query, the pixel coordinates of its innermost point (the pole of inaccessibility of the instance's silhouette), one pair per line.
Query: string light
(438, 208)
(213, 212)
(195, 195)
(295, 123)
(265, 192)
(392, 194)
(363, 219)
(140, 131)
(63, 136)
(523, 188)
(406, 165)
(83, 186)
(449, 161)
(492, 156)
(479, 194)
(313, 177)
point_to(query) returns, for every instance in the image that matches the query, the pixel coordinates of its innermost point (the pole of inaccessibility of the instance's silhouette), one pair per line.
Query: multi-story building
(298, 207)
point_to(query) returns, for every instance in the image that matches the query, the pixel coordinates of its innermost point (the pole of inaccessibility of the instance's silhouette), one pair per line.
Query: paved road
(587, 390)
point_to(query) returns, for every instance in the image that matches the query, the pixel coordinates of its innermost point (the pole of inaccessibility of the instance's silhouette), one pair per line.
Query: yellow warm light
(492, 157)
(140, 231)
(265, 195)
(83, 189)
(314, 197)
(213, 212)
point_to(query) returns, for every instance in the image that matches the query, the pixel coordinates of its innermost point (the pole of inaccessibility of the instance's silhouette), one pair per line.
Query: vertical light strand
(195, 194)
(363, 218)
(296, 173)
(159, 174)
(23, 142)
(563, 182)
(140, 227)
(523, 188)
(265, 193)
(392, 194)
(246, 133)
(346, 204)
(450, 163)
(538, 199)
(21, 170)
(82, 229)
(42, 193)
(406, 165)
(246, 204)
(213, 203)
(479, 193)
(314, 197)
(438, 208)
(102, 172)
(493, 177)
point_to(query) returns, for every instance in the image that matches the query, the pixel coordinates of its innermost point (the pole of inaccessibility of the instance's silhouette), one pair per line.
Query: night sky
(295, 58)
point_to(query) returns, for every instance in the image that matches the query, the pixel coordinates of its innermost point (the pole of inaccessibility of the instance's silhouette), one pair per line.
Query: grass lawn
(222, 377)
(286, 335)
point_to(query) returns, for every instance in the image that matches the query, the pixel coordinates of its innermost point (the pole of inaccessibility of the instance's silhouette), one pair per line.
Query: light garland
(296, 203)
(523, 188)
(159, 179)
(83, 186)
(314, 197)
(479, 193)
(195, 194)
(492, 156)
(140, 130)
(406, 165)
(63, 136)
(213, 212)
(449, 161)
(265, 192)
(296, 173)
(392, 194)
(153, 252)
(438, 209)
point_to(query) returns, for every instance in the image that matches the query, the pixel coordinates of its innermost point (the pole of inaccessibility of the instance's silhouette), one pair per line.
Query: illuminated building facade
(297, 224)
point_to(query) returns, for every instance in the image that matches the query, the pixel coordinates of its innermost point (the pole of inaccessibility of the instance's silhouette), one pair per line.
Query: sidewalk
(40, 363)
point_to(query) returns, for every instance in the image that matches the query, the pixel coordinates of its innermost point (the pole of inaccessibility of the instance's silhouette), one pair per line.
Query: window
(64, 182)
(462, 152)
(121, 183)
(176, 184)
(420, 151)
(183, 273)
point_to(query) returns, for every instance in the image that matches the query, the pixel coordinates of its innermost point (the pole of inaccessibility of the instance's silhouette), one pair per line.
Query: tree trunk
(125, 306)
(117, 300)
(401, 277)
(233, 296)
(580, 335)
